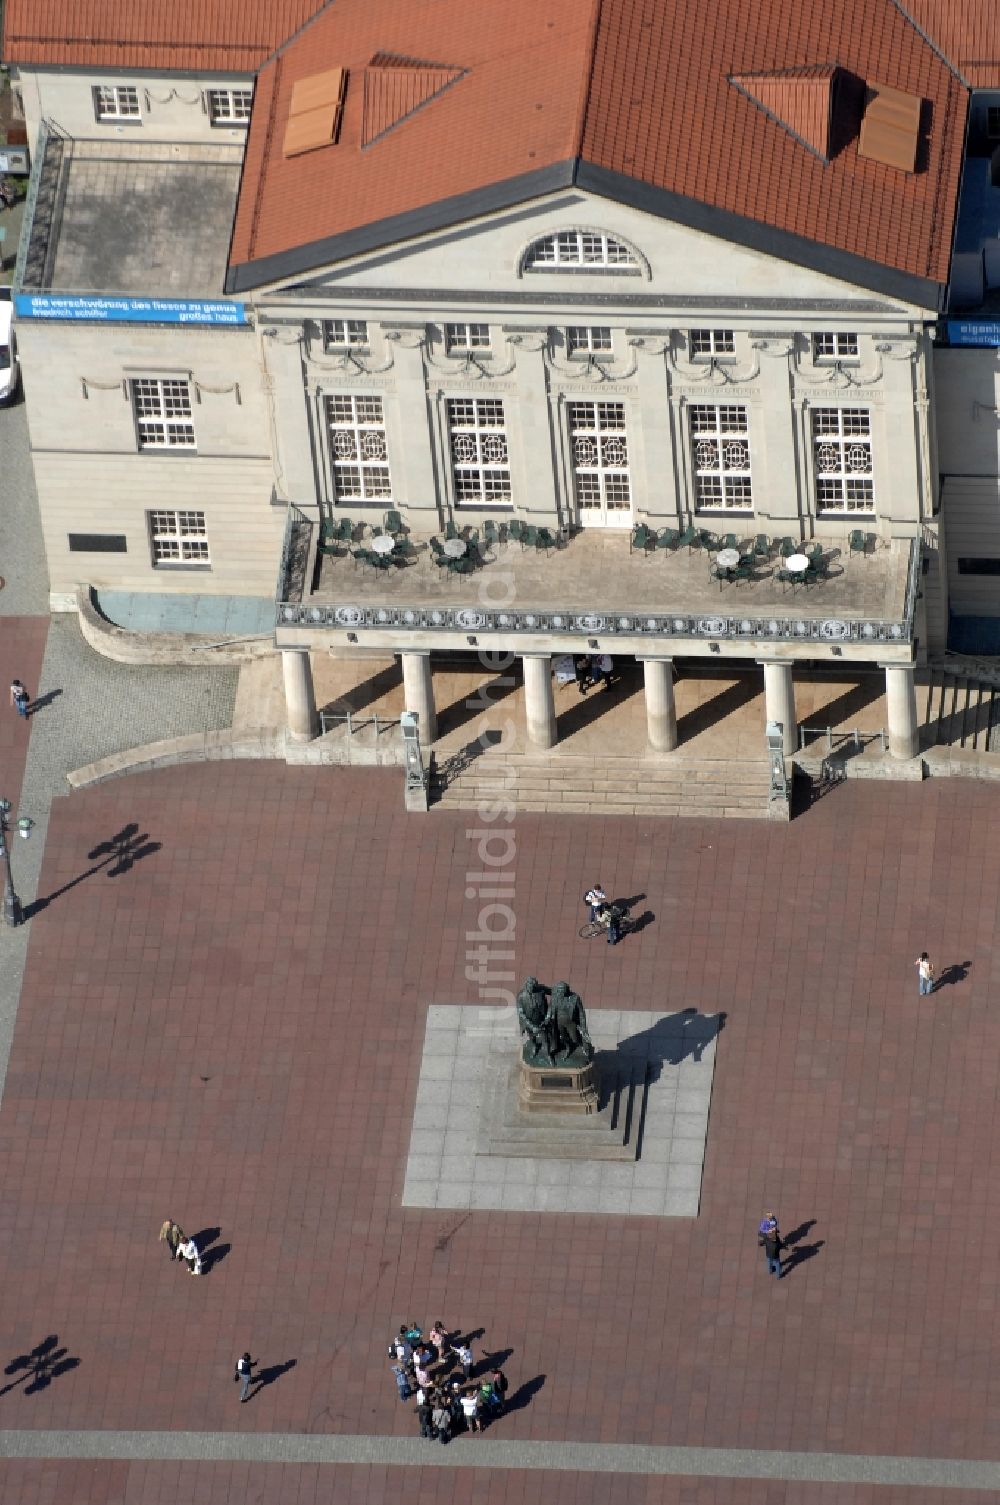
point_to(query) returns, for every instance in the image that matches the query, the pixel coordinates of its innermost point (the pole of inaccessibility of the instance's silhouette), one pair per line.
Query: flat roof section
(131, 217)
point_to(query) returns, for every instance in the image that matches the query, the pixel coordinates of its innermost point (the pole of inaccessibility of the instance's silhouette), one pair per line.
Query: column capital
(779, 659)
(909, 664)
(655, 658)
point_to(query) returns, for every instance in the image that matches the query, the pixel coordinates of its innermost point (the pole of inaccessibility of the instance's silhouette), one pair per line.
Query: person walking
(602, 667)
(498, 1388)
(189, 1250)
(171, 1234)
(925, 974)
(614, 925)
(769, 1239)
(439, 1337)
(581, 668)
(402, 1381)
(19, 698)
(244, 1373)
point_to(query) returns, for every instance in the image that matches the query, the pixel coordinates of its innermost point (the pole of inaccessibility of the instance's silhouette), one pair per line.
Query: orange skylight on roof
(315, 112)
(890, 129)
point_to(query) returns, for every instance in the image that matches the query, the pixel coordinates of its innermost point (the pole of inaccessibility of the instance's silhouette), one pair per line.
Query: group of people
(438, 1370)
(179, 1246)
(592, 669)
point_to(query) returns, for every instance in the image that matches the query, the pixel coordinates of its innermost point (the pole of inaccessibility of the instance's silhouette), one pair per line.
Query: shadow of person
(640, 922)
(41, 702)
(214, 1256)
(204, 1237)
(798, 1234)
(630, 902)
(491, 1361)
(955, 972)
(524, 1394)
(268, 1376)
(800, 1254)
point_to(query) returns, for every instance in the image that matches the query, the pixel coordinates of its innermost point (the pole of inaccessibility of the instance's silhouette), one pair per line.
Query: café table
(383, 544)
(727, 559)
(454, 547)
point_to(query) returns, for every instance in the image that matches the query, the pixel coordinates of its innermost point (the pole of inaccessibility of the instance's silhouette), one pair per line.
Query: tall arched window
(582, 250)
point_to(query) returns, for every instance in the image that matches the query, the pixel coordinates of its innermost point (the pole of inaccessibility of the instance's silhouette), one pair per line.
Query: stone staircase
(961, 710)
(657, 786)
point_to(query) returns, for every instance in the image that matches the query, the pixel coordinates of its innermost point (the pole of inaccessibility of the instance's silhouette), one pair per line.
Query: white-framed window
(345, 334)
(835, 347)
(588, 339)
(229, 106)
(720, 450)
(710, 344)
(480, 461)
(461, 338)
(358, 449)
(178, 537)
(162, 408)
(842, 456)
(580, 248)
(599, 447)
(117, 102)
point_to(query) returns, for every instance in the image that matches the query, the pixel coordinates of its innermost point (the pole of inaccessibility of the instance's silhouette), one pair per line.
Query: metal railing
(355, 722)
(855, 737)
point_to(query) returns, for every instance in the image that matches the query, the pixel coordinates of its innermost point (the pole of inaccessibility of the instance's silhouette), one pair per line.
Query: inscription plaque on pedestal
(571, 1089)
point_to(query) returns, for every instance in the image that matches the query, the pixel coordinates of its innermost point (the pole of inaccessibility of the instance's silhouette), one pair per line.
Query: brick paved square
(466, 1096)
(231, 1031)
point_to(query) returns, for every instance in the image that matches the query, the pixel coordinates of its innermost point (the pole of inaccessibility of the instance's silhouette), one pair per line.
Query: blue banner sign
(128, 310)
(983, 332)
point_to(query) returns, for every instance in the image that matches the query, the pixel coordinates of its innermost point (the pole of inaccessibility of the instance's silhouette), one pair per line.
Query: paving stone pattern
(230, 1033)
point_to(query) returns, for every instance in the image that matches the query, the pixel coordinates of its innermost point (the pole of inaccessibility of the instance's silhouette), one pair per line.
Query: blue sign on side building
(103, 310)
(982, 332)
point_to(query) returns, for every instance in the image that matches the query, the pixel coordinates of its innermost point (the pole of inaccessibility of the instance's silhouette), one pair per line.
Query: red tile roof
(624, 96)
(967, 32)
(233, 36)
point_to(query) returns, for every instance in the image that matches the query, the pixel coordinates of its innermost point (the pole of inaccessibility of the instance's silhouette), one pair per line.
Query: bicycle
(600, 925)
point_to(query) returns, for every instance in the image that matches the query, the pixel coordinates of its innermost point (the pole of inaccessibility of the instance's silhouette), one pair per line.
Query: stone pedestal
(558, 1089)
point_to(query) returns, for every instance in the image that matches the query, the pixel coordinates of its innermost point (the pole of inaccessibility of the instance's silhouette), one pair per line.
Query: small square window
(345, 334)
(178, 538)
(835, 347)
(464, 337)
(229, 106)
(117, 102)
(586, 340)
(710, 344)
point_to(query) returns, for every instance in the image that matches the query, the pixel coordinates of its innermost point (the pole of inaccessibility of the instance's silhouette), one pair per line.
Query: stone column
(901, 701)
(539, 705)
(418, 693)
(300, 698)
(661, 714)
(779, 699)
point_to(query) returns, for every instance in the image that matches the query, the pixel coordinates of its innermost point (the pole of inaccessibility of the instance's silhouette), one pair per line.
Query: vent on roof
(315, 112)
(397, 86)
(798, 99)
(891, 127)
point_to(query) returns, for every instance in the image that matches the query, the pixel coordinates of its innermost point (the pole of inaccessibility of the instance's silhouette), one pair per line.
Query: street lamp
(11, 903)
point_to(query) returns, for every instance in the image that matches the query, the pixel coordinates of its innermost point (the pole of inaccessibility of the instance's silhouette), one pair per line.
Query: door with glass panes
(599, 453)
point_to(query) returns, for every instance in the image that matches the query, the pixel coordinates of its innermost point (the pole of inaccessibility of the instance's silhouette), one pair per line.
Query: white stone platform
(670, 1061)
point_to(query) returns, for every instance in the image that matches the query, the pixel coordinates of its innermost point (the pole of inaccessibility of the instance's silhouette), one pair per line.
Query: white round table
(727, 559)
(383, 544)
(454, 547)
(797, 564)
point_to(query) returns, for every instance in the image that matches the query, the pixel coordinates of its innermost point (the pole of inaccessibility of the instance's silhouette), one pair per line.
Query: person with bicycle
(603, 912)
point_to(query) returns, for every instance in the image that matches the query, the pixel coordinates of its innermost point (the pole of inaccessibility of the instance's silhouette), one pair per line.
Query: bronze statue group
(553, 1025)
(438, 1370)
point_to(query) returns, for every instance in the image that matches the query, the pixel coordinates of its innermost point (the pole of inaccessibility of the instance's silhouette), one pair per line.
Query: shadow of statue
(637, 1061)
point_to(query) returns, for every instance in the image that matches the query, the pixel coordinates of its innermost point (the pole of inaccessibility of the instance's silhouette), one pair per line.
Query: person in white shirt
(464, 1355)
(189, 1251)
(925, 974)
(597, 899)
(470, 1410)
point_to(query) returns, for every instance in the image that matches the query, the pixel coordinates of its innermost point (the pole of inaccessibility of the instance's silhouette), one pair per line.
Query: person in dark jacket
(769, 1239)
(424, 1416)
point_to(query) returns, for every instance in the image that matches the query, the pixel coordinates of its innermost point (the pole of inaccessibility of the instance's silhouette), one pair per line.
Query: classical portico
(593, 595)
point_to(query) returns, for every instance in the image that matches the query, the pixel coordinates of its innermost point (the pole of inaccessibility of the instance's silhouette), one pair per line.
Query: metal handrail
(855, 735)
(355, 723)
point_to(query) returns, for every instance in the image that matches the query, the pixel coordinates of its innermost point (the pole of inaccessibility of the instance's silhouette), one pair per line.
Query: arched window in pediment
(582, 250)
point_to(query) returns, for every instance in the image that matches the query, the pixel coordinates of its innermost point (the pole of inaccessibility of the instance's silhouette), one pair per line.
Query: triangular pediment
(800, 100)
(397, 86)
